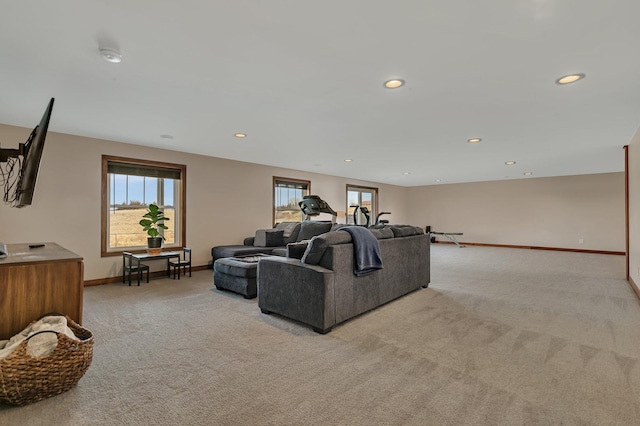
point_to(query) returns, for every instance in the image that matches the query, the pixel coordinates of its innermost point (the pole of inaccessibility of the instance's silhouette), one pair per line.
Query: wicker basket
(25, 379)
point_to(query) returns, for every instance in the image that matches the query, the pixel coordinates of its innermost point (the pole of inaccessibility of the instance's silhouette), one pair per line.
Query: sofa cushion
(291, 230)
(231, 251)
(405, 230)
(311, 228)
(269, 238)
(382, 233)
(279, 251)
(318, 245)
(235, 267)
(337, 226)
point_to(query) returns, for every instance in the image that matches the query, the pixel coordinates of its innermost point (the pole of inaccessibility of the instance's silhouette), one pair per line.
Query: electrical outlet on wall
(581, 241)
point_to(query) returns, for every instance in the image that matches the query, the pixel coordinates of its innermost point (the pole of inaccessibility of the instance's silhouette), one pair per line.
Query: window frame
(358, 188)
(182, 227)
(277, 179)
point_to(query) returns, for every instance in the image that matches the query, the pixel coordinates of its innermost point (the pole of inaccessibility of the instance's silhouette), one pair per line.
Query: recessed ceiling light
(348, 160)
(572, 78)
(166, 136)
(510, 163)
(474, 140)
(527, 173)
(240, 135)
(437, 180)
(406, 173)
(393, 84)
(111, 55)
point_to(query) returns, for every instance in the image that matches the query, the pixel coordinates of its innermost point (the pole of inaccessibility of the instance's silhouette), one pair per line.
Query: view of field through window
(125, 229)
(287, 196)
(129, 197)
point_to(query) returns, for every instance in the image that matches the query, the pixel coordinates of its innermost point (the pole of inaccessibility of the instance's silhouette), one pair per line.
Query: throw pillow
(315, 250)
(296, 250)
(318, 245)
(268, 238)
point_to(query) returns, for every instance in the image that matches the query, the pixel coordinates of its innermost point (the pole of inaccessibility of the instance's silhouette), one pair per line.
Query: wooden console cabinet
(36, 281)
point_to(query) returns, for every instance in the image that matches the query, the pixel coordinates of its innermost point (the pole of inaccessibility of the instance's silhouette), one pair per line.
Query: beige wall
(634, 207)
(548, 212)
(226, 200)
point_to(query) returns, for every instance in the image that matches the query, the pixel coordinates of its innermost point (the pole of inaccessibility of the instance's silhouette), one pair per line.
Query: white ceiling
(304, 80)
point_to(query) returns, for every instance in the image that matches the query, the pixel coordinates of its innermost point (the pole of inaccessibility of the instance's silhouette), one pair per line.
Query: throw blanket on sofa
(366, 251)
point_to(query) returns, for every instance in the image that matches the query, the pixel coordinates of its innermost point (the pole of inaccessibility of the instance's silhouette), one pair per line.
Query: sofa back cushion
(405, 230)
(290, 231)
(337, 226)
(382, 233)
(311, 228)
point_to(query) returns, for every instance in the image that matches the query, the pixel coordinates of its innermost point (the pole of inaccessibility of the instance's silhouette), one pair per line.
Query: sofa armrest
(248, 241)
(298, 291)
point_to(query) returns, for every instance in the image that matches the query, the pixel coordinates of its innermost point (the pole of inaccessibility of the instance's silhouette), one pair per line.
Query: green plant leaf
(153, 220)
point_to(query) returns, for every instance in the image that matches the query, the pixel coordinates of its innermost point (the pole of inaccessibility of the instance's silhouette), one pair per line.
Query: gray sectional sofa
(273, 241)
(321, 290)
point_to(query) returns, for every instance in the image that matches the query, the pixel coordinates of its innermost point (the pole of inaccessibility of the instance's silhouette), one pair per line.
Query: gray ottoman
(237, 274)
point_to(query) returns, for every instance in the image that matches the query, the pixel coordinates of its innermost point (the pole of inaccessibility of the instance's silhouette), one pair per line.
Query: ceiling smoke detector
(111, 55)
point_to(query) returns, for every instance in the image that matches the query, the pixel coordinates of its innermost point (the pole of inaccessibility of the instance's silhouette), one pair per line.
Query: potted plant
(151, 223)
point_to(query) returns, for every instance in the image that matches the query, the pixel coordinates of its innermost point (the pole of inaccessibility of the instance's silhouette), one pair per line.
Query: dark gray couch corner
(267, 241)
(328, 293)
(250, 247)
(307, 293)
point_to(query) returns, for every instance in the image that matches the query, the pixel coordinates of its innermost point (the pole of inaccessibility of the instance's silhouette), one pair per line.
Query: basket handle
(48, 314)
(42, 331)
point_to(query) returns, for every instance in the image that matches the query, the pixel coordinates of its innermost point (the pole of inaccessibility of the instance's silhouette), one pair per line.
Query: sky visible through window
(127, 189)
(288, 197)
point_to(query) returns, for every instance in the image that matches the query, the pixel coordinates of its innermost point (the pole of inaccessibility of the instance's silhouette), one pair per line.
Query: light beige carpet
(501, 337)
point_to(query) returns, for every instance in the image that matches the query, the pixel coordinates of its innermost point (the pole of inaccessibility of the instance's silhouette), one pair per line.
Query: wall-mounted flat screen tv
(21, 194)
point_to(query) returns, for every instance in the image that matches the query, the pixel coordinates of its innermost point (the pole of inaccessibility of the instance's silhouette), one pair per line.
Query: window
(128, 187)
(362, 196)
(287, 193)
